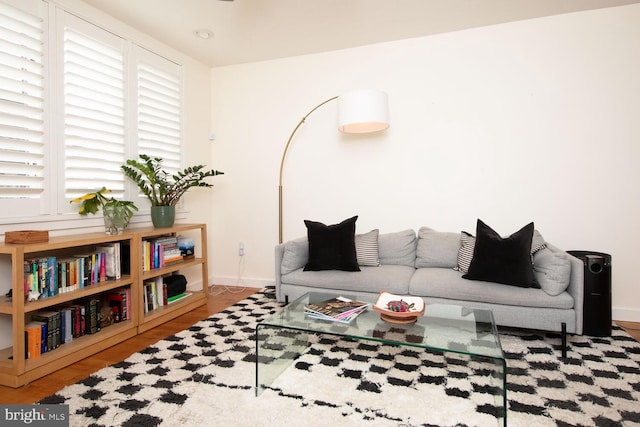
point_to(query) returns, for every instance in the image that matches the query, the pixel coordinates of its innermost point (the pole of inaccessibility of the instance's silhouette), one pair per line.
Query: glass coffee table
(283, 337)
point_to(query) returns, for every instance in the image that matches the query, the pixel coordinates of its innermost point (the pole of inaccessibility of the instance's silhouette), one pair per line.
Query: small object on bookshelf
(339, 309)
(186, 246)
(26, 236)
(399, 309)
(108, 316)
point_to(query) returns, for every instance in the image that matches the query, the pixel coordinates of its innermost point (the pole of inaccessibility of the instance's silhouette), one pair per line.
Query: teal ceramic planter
(163, 216)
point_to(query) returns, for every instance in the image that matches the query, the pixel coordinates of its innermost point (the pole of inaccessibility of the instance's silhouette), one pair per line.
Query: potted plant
(117, 213)
(163, 189)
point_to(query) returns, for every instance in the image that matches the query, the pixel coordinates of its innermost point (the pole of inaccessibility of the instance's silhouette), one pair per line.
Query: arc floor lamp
(360, 111)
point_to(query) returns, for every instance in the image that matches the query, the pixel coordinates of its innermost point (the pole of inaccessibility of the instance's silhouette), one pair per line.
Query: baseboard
(248, 282)
(626, 314)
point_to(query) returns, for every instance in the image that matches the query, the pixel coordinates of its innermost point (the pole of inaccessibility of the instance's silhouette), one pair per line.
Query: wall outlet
(241, 249)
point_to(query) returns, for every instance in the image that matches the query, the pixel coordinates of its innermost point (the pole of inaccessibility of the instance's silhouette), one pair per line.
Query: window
(22, 107)
(65, 131)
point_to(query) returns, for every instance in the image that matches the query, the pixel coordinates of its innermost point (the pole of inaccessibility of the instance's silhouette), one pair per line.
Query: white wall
(536, 120)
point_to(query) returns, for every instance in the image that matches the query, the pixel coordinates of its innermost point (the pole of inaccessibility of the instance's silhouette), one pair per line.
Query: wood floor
(221, 298)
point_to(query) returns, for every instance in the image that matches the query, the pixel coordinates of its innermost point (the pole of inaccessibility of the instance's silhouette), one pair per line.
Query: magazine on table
(339, 309)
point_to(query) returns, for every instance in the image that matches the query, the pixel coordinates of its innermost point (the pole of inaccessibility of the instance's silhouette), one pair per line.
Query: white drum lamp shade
(363, 111)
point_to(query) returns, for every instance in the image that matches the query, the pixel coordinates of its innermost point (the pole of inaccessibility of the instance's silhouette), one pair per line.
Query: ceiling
(256, 30)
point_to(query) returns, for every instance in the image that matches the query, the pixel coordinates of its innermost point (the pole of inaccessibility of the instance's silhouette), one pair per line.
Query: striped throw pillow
(367, 249)
(465, 254)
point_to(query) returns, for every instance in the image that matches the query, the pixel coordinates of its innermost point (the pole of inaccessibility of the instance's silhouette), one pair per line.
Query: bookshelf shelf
(15, 313)
(81, 343)
(77, 294)
(6, 306)
(172, 268)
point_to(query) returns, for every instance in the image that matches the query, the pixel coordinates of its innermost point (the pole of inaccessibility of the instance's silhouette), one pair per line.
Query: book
(178, 297)
(112, 259)
(150, 299)
(33, 334)
(52, 321)
(160, 298)
(126, 299)
(338, 309)
(66, 321)
(161, 252)
(92, 308)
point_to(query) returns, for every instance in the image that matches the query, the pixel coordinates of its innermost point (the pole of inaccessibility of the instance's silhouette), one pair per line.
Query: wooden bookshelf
(197, 265)
(17, 370)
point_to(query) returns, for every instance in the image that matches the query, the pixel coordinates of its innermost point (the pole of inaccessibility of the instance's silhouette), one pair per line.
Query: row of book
(160, 252)
(156, 294)
(49, 329)
(339, 309)
(49, 276)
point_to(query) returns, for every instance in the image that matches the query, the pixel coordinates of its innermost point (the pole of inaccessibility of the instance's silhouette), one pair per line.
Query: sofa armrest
(576, 286)
(279, 255)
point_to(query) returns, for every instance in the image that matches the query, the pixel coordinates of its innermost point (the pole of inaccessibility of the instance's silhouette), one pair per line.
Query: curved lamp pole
(362, 111)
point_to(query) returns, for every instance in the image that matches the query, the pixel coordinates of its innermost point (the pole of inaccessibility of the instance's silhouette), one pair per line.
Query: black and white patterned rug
(205, 376)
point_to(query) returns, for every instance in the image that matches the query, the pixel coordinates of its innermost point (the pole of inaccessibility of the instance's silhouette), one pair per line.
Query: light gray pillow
(398, 248)
(436, 248)
(367, 249)
(552, 271)
(296, 255)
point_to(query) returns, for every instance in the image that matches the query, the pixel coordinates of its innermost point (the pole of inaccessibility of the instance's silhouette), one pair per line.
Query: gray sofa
(425, 264)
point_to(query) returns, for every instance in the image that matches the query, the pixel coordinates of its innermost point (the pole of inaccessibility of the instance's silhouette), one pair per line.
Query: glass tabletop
(448, 328)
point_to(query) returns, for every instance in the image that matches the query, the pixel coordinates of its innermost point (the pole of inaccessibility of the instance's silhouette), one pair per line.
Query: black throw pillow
(332, 247)
(502, 260)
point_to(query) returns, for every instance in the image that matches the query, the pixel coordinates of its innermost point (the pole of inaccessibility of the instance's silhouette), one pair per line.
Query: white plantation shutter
(159, 119)
(94, 109)
(76, 101)
(22, 153)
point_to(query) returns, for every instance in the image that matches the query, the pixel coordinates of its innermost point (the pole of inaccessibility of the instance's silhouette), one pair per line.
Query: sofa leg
(564, 340)
(286, 300)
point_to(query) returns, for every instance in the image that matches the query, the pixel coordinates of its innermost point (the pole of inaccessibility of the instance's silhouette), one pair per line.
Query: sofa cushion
(468, 241)
(398, 248)
(391, 278)
(367, 249)
(436, 248)
(552, 271)
(447, 283)
(502, 260)
(296, 255)
(332, 247)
